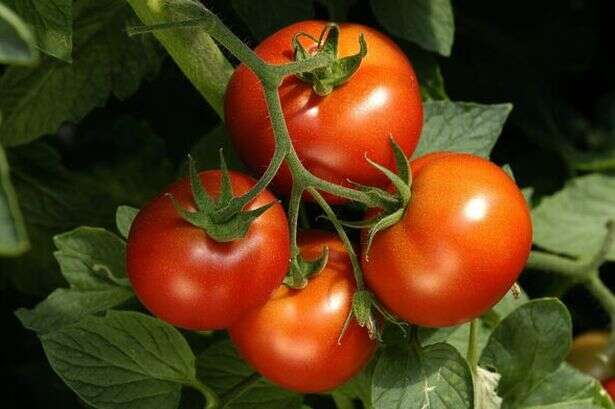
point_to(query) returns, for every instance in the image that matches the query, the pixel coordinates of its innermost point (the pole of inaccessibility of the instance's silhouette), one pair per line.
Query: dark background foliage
(551, 58)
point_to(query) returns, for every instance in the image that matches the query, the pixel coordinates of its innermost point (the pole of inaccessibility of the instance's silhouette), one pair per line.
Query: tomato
(331, 134)
(189, 280)
(609, 386)
(293, 339)
(585, 354)
(461, 244)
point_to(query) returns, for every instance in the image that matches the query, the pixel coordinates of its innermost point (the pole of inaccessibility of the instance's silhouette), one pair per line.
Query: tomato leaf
(526, 346)
(52, 23)
(92, 261)
(359, 387)
(194, 52)
(13, 235)
(221, 368)
(428, 72)
(573, 220)
(122, 360)
(268, 16)
(461, 127)
(105, 62)
(124, 216)
(435, 376)
(485, 386)
(16, 39)
(429, 23)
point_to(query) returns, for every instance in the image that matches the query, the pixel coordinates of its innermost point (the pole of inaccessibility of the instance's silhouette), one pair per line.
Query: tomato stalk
(584, 270)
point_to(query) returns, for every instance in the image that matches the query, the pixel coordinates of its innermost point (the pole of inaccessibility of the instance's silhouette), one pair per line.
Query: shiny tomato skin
(189, 280)
(460, 246)
(293, 339)
(331, 134)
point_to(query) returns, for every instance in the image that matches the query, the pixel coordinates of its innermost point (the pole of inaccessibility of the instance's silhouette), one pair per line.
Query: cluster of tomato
(459, 247)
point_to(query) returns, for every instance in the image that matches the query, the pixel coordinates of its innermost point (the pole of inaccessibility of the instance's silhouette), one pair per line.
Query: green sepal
(206, 216)
(402, 163)
(382, 223)
(301, 269)
(339, 71)
(400, 184)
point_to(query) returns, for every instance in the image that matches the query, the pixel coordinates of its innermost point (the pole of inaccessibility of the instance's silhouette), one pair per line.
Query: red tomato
(609, 386)
(331, 134)
(189, 280)
(293, 339)
(460, 246)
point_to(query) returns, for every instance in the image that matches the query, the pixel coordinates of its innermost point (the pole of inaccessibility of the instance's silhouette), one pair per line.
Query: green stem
(354, 260)
(602, 293)
(239, 389)
(212, 400)
(473, 345)
(540, 260)
(298, 280)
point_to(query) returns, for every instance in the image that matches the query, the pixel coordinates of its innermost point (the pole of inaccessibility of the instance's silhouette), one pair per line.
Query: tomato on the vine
(189, 280)
(461, 244)
(293, 339)
(331, 134)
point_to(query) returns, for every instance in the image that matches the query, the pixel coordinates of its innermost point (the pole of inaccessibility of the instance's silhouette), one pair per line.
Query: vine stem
(584, 270)
(239, 389)
(212, 400)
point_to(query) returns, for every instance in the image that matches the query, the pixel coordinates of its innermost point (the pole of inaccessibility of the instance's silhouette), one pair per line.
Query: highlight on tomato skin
(293, 339)
(462, 243)
(186, 278)
(331, 134)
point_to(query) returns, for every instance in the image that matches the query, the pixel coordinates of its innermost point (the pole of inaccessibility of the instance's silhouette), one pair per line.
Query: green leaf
(360, 386)
(194, 52)
(268, 16)
(52, 23)
(105, 62)
(429, 23)
(222, 369)
(436, 376)
(92, 261)
(16, 39)
(567, 388)
(485, 387)
(526, 346)
(461, 127)
(13, 235)
(122, 360)
(124, 217)
(509, 303)
(573, 220)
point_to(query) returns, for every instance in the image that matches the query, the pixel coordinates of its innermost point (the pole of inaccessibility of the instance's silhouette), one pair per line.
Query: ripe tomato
(609, 386)
(585, 354)
(293, 339)
(331, 134)
(189, 280)
(460, 246)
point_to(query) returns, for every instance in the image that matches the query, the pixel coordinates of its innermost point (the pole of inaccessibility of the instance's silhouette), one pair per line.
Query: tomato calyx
(301, 269)
(397, 201)
(339, 71)
(208, 209)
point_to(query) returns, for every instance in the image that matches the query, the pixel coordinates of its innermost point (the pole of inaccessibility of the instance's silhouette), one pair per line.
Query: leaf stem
(473, 345)
(212, 400)
(602, 293)
(239, 389)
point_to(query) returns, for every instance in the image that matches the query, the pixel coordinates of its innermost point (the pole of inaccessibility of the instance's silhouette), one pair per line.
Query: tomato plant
(399, 269)
(331, 134)
(293, 339)
(188, 279)
(460, 246)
